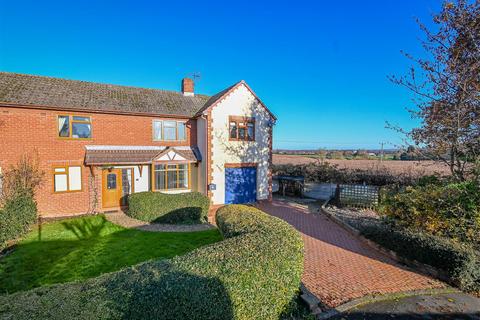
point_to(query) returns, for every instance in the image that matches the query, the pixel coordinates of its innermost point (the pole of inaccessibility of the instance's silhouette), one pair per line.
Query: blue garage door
(240, 185)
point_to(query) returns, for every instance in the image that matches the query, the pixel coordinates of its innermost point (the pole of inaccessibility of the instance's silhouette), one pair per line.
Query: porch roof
(125, 155)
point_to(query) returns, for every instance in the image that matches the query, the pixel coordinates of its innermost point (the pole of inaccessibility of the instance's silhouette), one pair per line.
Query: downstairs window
(171, 176)
(67, 179)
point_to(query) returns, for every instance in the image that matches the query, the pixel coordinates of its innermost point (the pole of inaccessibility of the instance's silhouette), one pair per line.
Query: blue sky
(320, 66)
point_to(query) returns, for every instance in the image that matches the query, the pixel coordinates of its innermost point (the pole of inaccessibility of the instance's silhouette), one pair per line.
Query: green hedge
(16, 217)
(460, 262)
(253, 274)
(182, 208)
(448, 210)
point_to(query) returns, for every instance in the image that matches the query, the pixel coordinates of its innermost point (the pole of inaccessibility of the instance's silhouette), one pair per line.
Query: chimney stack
(187, 87)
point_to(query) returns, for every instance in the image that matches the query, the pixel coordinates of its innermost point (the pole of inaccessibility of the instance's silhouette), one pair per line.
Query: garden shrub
(460, 262)
(254, 273)
(451, 210)
(16, 216)
(181, 208)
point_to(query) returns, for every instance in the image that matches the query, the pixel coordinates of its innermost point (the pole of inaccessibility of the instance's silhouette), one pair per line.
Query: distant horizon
(323, 149)
(321, 68)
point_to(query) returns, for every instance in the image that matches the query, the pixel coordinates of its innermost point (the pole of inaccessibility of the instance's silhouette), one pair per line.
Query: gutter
(56, 108)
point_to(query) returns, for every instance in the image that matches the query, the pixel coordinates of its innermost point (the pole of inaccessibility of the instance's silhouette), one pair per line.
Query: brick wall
(24, 130)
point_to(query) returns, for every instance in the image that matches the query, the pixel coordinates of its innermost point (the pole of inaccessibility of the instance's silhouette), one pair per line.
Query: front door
(112, 188)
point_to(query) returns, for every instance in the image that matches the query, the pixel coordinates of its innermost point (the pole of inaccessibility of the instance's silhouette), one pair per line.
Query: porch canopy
(127, 155)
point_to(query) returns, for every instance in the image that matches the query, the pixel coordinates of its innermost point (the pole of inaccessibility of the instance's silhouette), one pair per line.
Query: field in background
(394, 166)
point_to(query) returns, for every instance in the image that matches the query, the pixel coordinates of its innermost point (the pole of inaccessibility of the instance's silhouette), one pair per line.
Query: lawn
(82, 248)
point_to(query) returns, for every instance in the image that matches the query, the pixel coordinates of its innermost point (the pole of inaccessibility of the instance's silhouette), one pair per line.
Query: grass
(81, 248)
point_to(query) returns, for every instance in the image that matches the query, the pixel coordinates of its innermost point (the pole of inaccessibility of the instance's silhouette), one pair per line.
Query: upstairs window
(67, 179)
(169, 130)
(75, 127)
(242, 129)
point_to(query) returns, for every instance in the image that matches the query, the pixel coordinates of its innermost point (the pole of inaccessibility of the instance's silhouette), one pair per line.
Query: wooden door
(111, 188)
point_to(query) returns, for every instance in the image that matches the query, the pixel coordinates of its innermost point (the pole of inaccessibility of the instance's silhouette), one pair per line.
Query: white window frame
(160, 124)
(68, 177)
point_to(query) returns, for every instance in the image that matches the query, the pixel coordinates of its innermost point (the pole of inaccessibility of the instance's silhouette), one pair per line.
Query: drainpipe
(205, 117)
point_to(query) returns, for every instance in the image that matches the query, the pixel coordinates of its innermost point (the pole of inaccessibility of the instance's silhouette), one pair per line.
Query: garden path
(339, 267)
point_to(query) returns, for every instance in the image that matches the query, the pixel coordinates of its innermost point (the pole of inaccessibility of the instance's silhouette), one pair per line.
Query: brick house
(97, 143)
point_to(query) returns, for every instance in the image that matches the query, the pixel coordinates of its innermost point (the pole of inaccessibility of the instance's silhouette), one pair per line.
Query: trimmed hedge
(253, 274)
(16, 217)
(181, 208)
(460, 262)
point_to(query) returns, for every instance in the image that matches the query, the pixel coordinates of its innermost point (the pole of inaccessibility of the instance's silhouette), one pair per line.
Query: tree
(446, 88)
(322, 153)
(25, 176)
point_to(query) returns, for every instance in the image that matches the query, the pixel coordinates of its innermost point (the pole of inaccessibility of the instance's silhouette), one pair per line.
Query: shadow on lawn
(85, 229)
(89, 251)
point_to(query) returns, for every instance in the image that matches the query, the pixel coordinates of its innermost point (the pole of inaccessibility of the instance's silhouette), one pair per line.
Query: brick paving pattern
(338, 266)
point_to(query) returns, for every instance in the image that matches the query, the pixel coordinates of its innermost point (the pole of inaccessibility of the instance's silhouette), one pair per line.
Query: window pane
(75, 178)
(183, 179)
(111, 181)
(159, 167)
(251, 130)
(169, 130)
(170, 124)
(181, 131)
(126, 181)
(81, 130)
(233, 130)
(157, 130)
(60, 170)
(60, 182)
(63, 126)
(77, 118)
(159, 180)
(172, 179)
(241, 133)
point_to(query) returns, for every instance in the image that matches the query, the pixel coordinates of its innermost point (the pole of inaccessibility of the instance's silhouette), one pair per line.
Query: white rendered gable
(240, 102)
(170, 156)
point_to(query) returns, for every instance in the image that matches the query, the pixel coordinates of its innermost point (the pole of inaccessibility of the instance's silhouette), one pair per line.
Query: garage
(240, 185)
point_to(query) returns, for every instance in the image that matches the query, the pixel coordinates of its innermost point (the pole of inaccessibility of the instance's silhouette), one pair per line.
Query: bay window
(171, 176)
(169, 130)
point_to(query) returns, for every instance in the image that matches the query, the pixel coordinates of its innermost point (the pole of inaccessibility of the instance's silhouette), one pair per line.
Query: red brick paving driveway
(338, 266)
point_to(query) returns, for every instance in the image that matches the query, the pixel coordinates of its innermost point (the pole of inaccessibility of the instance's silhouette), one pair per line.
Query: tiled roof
(71, 94)
(101, 155)
(213, 99)
(218, 97)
